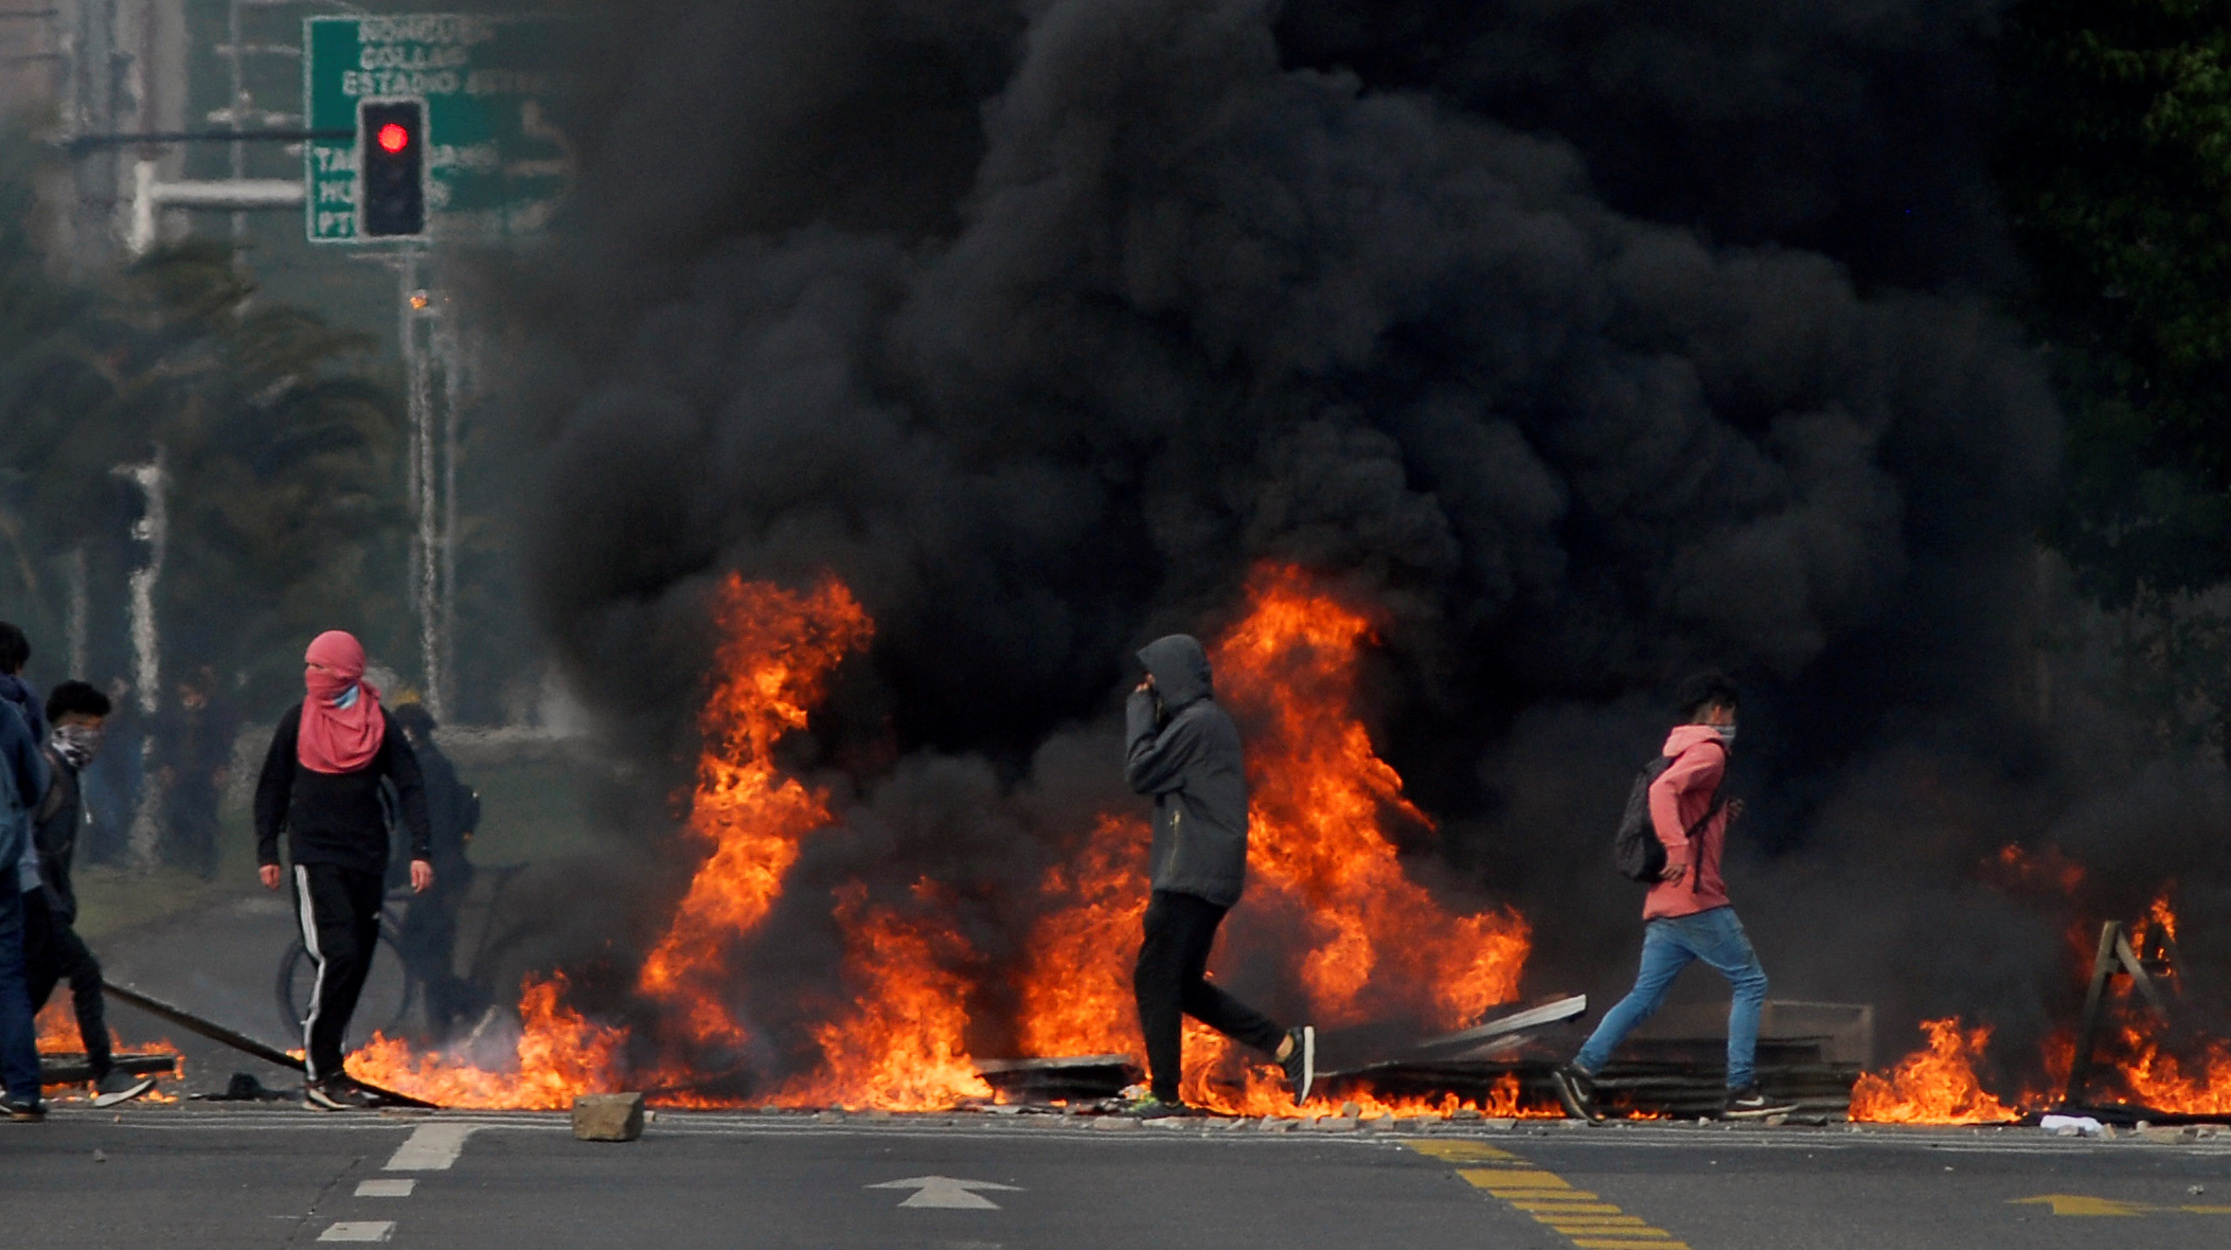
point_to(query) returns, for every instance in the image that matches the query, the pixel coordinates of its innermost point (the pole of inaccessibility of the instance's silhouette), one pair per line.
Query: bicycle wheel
(383, 1007)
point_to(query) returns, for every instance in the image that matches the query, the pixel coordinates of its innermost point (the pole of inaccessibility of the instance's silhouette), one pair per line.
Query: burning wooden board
(1070, 1078)
(1360, 1052)
(68, 1068)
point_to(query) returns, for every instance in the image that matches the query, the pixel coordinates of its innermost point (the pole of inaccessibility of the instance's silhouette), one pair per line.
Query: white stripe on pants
(317, 957)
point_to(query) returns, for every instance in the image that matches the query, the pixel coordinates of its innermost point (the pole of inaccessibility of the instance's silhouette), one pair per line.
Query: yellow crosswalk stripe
(1461, 1151)
(1581, 1217)
(1513, 1178)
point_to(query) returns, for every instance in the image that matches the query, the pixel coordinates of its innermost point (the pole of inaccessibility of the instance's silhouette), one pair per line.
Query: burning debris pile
(63, 1061)
(1361, 940)
(2129, 1057)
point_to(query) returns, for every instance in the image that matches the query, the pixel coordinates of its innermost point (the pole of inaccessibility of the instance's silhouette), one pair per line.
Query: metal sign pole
(426, 564)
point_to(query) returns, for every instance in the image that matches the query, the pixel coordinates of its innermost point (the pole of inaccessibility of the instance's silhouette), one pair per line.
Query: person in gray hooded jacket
(1184, 751)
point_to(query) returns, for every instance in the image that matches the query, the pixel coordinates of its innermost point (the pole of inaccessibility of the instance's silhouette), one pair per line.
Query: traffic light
(391, 138)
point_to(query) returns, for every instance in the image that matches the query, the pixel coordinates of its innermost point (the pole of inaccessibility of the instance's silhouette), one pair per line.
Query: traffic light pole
(429, 482)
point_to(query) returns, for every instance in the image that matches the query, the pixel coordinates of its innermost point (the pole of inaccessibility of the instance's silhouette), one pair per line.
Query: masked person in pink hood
(321, 785)
(1687, 916)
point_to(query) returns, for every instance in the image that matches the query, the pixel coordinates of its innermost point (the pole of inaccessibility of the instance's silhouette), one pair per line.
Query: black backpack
(1635, 849)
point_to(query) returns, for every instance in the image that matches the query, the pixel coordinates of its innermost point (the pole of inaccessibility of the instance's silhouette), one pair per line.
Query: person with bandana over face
(321, 785)
(53, 951)
(1687, 916)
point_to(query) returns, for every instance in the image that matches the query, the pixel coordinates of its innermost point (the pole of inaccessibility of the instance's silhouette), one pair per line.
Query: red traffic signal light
(391, 169)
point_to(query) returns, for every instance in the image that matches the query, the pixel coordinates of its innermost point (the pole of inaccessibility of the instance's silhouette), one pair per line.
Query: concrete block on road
(2178, 1132)
(608, 1117)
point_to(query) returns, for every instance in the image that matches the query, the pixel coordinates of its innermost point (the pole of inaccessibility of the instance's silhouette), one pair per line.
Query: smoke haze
(1589, 342)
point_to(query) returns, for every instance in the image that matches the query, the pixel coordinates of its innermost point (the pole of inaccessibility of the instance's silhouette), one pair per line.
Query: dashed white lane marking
(360, 1230)
(385, 1188)
(431, 1148)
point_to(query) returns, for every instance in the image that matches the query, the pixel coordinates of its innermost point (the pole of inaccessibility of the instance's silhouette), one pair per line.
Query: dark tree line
(282, 457)
(2116, 170)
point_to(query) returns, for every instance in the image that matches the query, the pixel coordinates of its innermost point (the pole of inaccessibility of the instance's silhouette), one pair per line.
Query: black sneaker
(1748, 1103)
(23, 1109)
(1576, 1090)
(1301, 1063)
(1160, 1109)
(339, 1093)
(120, 1087)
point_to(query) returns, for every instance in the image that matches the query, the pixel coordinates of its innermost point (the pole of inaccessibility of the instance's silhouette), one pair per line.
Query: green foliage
(283, 456)
(2117, 169)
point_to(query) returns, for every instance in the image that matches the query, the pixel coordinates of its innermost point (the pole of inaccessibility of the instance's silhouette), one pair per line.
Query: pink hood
(1678, 800)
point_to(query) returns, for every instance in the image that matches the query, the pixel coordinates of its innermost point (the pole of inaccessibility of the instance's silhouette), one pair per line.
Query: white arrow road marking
(946, 1191)
(359, 1230)
(431, 1148)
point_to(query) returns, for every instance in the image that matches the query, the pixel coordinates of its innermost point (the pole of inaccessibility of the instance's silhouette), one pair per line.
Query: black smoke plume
(1591, 341)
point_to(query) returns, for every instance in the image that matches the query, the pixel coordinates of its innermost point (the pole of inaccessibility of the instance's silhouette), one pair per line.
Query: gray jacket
(1183, 749)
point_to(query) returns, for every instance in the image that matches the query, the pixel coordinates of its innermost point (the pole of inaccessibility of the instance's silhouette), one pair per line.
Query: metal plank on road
(496, 168)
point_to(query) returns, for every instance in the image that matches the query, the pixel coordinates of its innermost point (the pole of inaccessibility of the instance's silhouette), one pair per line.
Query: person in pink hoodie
(1687, 916)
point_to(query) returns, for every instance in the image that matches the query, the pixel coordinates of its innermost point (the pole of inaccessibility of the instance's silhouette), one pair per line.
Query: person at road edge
(23, 782)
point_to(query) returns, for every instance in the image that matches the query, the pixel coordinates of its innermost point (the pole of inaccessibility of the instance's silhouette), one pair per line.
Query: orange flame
(56, 1030)
(1322, 801)
(778, 651)
(1935, 1085)
(2044, 872)
(559, 1054)
(1076, 992)
(900, 1048)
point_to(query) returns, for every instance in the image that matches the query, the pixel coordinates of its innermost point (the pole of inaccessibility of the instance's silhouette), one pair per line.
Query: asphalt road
(203, 1176)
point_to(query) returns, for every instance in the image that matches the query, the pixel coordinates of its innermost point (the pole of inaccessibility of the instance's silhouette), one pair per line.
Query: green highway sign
(493, 167)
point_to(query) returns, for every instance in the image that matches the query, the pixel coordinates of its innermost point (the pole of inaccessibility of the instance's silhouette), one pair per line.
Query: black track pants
(339, 909)
(52, 951)
(1171, 981)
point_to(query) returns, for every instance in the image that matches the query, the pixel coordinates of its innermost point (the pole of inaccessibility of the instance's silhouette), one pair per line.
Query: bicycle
(396, 983)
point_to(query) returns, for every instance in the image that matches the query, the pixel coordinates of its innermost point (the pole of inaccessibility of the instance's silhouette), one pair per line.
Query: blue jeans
(1668, 946)
(19, 1040)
